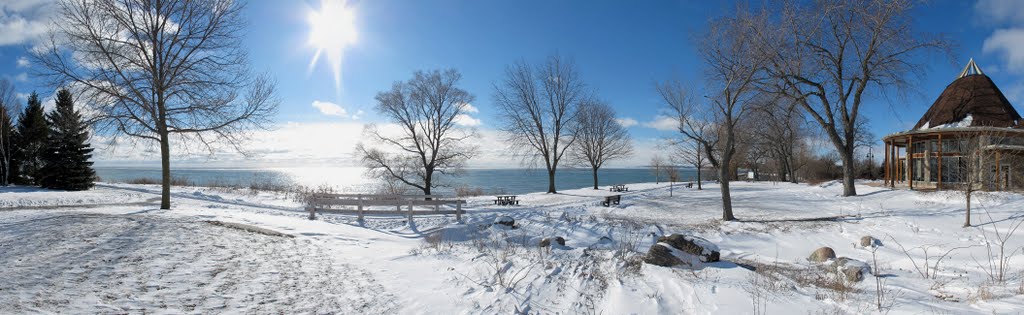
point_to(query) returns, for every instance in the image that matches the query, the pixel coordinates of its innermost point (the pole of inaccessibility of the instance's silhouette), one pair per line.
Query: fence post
(410, 210)
(360, 208)
(458, 211)
(311, 206)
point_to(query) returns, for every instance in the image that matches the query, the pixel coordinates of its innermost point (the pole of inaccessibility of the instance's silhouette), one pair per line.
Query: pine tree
(7, 162)
(30, 141)
(66, 158)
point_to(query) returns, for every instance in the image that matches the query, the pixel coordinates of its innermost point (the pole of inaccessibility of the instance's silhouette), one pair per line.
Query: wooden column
(894, 159)
(886, 152)
(910, 162)
(938, 185)
(999, 177)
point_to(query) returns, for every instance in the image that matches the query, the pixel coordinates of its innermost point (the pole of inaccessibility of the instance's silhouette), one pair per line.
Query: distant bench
(618, 188)
(689, 185)
(611, 200)
(322, 203)
(506, 200)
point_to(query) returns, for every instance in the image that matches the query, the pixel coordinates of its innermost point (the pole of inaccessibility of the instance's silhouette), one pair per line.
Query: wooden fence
(323, 203)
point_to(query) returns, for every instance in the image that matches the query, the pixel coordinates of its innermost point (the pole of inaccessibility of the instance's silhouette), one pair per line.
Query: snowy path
(102, 263)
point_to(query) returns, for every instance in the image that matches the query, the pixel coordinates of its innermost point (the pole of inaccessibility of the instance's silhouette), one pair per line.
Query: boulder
(822, 254)
(546, 242)
(854, 270)
(868, 241)
(702, 248)
(661, 255)
(506, 221)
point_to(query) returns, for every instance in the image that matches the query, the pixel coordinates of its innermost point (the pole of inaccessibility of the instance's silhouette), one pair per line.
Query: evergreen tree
(30, 141)
(7, 161)
(66, 158)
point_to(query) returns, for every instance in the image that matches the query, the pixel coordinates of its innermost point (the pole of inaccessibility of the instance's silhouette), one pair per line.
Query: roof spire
(971, 69)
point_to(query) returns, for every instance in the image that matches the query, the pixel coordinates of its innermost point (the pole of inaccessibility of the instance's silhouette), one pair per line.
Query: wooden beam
(999, 177)
(886, 152)
(938, 184)
(910, 162)
(894, 160)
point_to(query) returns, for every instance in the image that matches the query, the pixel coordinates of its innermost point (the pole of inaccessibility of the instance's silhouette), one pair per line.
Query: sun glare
(331, 30)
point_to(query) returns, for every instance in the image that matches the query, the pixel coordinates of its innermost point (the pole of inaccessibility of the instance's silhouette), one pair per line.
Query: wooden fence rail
(322, 203)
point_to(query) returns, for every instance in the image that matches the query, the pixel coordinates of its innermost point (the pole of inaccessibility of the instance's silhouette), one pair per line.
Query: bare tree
(537, 106)
(426, 109)
(733, 72)
(8, 106)
(980, 164)
(826, 55)
(153, 69)
(778, 128)
(599, 137)
(657, 166)
(697, 127)
(691, 153)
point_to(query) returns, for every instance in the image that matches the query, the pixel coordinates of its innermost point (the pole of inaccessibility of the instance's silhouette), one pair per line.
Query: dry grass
(175, 181)
(465, 191)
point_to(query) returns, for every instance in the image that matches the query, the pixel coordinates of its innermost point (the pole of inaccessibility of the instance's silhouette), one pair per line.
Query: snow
(966, 122)
(111, 250)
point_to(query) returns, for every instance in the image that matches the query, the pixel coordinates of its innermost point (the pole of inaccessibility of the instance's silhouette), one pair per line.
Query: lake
(352, 179)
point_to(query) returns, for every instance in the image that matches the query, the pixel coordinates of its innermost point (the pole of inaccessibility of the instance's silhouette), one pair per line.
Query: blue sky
(620, 47)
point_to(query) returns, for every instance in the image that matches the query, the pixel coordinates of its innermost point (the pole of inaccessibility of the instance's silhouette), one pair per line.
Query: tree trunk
(723, 179)
(595, 178)
(165, 165)
(698, 178)
(967, 218)
(551, 181)
(848, 174)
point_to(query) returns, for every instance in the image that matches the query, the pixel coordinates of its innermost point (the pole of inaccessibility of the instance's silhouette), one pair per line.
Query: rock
(506, 221)
(546, 242)
(604, 240)
(692, 245)
(822, 254)
(868, 241)
(854, 270)
(661, 255)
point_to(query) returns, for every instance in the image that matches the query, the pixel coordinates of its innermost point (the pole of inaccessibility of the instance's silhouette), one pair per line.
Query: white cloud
(330, 109)
(1000, 11)
(21, 77)
(24, 21)
(1009, 45)
(469, 108)
(23, 62)
(663, 123)
(626, 122)
(466, 120)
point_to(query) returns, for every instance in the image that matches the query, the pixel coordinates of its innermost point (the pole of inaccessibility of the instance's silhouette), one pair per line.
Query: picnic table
(506, 200)
(618, 188)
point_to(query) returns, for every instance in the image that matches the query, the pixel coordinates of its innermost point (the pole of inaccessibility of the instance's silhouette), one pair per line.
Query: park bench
(610, 200)
(689, 185)
(324, 203)
(618, 188)
(506, 200)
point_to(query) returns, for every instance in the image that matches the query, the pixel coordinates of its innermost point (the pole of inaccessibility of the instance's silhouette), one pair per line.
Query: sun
(331, 30)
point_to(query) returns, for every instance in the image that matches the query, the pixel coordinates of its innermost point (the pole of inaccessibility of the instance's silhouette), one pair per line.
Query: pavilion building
(971, 122)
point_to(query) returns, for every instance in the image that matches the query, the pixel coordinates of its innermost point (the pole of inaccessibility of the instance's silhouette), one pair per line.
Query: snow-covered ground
(111, 250)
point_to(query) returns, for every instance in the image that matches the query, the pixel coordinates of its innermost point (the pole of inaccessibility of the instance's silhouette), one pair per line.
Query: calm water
(513, 181)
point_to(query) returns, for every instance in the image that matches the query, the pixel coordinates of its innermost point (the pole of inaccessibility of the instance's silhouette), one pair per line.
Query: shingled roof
(973, 94)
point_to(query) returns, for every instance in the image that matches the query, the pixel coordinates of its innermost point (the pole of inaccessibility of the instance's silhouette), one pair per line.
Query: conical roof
(971, 100)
